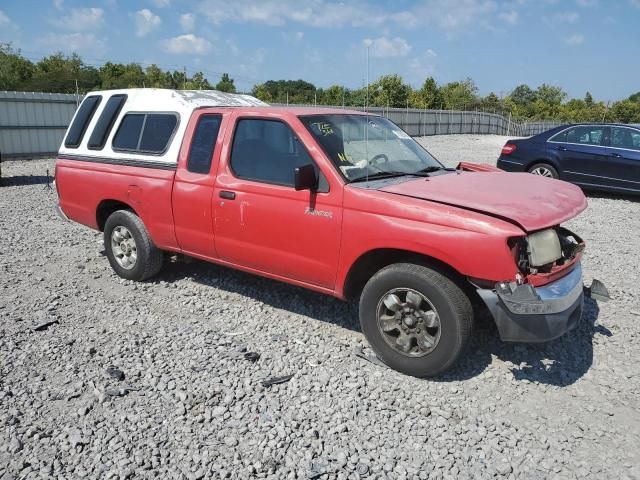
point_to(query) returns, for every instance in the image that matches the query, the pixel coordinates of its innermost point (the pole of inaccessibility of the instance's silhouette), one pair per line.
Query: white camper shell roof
(181, 103)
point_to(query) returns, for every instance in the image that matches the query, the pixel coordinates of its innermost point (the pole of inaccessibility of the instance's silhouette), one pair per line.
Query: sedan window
(625, 138)
(586, 135)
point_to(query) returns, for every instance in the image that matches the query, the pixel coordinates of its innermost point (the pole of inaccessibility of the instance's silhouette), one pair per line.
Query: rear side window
(203, 143)
(128, 134)
(157, 131)
(585, 135)
(105, 123)
(145, 132)
(81, 121)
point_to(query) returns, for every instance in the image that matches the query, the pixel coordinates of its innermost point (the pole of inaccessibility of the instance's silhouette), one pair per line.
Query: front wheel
(129, 247)
(416, 319)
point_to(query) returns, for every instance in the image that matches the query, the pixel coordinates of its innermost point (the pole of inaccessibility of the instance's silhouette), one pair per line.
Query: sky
(580, 45)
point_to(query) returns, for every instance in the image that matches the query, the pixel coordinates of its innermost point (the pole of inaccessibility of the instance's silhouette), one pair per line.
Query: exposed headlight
(544, 248)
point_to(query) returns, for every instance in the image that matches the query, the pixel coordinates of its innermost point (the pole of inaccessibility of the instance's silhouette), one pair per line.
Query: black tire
(544, 166)
(149, 257)
(451, 305)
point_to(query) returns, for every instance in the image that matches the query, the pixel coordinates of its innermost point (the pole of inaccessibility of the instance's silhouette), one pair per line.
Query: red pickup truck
(341, 202)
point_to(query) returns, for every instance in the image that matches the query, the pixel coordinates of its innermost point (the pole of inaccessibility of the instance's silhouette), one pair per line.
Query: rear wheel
(416, 319)
(129, 247)
(544, 170)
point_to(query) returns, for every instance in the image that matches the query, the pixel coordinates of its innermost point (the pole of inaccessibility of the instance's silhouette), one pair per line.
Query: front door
(261, 221)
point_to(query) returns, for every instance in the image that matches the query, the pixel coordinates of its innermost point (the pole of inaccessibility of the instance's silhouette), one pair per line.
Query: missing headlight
(543, 248)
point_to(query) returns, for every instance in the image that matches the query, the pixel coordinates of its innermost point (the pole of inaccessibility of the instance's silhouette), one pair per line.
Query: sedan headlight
(544, 248)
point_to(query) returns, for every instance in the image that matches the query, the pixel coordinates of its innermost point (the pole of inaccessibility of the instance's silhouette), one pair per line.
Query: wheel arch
(549, 161)
(108, 206)
(375, 260)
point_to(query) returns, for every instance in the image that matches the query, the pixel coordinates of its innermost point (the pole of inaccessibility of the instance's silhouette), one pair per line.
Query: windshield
(361, 146)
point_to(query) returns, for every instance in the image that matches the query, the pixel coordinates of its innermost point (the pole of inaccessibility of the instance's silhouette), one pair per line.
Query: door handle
(616, 155)
(227, 195)
(561, 147)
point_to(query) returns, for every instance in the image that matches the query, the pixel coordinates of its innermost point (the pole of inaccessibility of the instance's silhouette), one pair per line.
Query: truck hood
(530, 201)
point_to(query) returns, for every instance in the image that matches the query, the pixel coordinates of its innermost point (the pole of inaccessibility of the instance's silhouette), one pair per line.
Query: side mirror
(305, 178)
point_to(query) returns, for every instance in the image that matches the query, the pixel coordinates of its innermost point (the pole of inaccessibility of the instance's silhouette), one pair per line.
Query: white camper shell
(139, 125)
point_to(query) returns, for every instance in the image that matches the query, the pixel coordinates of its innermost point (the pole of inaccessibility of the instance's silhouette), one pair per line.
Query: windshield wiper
(431, 169)
(388, 174)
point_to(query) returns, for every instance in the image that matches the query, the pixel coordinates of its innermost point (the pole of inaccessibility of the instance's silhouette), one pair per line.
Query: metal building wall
(33, 124)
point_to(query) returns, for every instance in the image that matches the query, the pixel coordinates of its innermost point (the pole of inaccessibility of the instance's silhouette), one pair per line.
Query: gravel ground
(185, 401)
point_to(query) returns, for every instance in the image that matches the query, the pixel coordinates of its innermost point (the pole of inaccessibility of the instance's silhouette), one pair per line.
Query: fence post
(509, 125)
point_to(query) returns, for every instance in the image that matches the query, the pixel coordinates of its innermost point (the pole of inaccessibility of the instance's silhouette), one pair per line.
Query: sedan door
(624, 158)
(582, 153)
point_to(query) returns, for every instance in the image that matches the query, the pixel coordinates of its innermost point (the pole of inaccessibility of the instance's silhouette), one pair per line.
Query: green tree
(261, 92)
(635, 97)
(389, 90)
(550, 95)
(459, 95)
(226, 84)
(491, 102)
(522, 95)
(625, 111)
(334, 95)
(155, 77)
(428, 96)
(15, 70)
(588, 100)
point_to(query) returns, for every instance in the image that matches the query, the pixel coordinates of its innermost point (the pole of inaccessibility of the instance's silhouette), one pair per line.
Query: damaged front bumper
(524, 313)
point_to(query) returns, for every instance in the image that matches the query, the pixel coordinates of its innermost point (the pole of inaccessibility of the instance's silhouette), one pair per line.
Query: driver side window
(267, 151)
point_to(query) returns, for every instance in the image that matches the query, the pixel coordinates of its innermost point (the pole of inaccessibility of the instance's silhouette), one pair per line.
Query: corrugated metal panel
(418, 122)
(33, 124)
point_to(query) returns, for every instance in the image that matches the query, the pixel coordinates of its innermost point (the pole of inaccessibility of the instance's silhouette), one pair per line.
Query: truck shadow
(22, 180)
(292, 299)
(560, 362)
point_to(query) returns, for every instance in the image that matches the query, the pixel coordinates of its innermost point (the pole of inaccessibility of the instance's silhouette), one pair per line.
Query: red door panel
(274, 228)
(278, 230)
(193, 187)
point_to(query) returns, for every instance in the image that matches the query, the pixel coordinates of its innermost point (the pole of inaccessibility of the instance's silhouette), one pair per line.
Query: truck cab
(337, 201)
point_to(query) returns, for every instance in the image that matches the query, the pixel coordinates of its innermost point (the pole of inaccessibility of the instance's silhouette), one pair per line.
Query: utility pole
(77, 94)
(184, 72)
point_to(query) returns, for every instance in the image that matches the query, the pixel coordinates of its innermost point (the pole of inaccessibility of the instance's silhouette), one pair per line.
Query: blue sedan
(594, 156)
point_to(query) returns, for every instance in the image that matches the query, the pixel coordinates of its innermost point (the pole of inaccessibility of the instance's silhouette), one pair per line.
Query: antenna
(366, 102)
(366, 126)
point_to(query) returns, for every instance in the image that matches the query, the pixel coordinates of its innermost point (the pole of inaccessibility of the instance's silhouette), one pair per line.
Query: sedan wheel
(544, 170)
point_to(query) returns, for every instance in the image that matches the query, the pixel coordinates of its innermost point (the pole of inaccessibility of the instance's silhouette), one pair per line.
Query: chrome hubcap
(408, 322)
(124, 247)
(542, 171)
